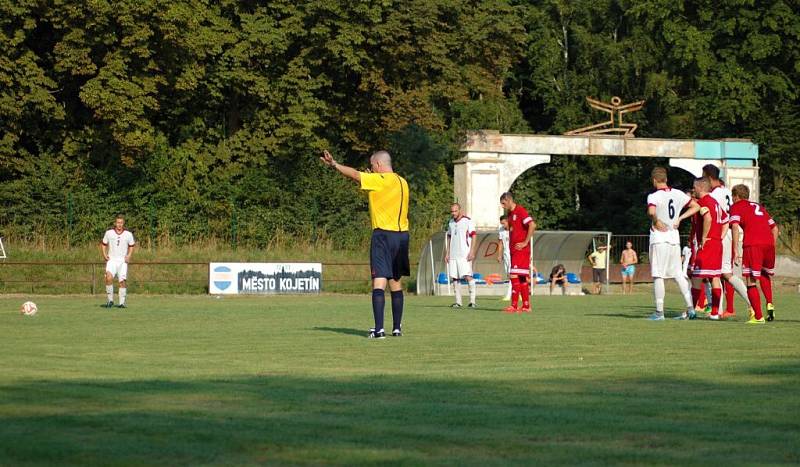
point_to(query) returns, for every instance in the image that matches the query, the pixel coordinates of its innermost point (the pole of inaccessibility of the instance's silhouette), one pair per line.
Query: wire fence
(191, 277)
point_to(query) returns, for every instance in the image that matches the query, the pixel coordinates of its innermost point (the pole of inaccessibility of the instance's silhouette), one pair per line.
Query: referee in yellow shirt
(388, 254)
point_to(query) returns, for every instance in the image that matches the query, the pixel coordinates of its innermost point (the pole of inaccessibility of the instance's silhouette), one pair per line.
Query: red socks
(696, 297)
(525, 291)
(766, 287)
(716, 297)
(729, 297)
(515, 290)
(755, 300)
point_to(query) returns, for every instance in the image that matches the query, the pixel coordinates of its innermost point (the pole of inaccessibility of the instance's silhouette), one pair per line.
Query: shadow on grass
(356, 420)
(347, 331)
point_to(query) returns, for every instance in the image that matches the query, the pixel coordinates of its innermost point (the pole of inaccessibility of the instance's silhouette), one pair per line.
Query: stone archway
(492, 161)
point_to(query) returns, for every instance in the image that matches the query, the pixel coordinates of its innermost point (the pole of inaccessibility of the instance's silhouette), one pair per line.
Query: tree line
(204, 119)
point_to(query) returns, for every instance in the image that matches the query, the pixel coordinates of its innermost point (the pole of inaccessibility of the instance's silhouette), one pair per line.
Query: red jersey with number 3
(755, 221)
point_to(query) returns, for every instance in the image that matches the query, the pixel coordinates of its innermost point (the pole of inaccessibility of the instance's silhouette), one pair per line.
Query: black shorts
(559, 281)
(388, 254)
(599, 275)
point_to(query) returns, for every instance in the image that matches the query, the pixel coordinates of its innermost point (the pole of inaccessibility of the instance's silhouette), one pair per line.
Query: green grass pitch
(195, 380)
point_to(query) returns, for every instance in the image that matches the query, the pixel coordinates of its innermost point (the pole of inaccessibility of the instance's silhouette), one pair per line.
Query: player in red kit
(758, 250)
(708, 263)
(521, 226)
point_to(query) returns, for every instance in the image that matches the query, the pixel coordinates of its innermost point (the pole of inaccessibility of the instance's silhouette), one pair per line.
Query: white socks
(683, 286)
(110, 293)
(123, 291)
(457, 285)
(471, 285)
(658, 289)
(740, 288)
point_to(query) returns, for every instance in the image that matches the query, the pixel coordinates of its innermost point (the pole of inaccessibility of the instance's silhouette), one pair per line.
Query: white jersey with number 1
(461, 233)
(118, 244)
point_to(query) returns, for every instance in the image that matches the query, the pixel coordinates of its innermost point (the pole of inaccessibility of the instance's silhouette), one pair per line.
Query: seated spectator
(558, 276)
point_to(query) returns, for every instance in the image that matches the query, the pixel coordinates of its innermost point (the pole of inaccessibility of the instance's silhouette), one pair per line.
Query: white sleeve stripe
(527, 220)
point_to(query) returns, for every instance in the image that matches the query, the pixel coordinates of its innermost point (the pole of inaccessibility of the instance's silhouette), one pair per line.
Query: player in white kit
(664, 206)
(117, 248)
(723, 196)
(460, 252)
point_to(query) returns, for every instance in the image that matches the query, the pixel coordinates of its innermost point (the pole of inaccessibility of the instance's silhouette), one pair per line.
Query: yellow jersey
(388, 200)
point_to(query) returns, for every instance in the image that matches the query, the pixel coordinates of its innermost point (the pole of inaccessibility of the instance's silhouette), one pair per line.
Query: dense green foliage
(203, 119)
(193, 380)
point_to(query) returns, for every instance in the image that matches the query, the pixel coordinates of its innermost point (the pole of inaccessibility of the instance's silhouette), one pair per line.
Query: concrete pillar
(479, 179)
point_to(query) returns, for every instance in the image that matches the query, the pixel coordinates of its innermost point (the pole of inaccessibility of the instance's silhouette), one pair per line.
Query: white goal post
(2, 249)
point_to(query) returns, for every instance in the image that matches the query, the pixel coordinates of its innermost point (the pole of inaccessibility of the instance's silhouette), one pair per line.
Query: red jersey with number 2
(755, 221)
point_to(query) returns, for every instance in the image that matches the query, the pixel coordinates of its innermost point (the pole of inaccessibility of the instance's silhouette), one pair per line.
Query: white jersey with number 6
(668, 203)
(118, 243)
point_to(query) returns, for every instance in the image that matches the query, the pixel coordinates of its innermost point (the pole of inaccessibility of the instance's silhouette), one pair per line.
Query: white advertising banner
(264, 278)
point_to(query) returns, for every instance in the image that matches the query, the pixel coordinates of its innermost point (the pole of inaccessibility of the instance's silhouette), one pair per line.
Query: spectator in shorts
(598, 260)
(628, 259)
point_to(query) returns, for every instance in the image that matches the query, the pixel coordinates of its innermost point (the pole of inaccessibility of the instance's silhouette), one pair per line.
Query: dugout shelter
(569, 248)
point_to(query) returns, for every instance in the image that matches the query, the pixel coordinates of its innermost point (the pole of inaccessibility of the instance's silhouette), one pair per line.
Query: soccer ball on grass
(29, 309)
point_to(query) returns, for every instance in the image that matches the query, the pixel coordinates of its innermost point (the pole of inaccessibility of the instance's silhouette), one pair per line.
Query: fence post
(93, 279)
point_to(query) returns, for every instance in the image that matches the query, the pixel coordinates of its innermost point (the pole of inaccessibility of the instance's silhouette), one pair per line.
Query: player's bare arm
(348, 172)
(735, 242)
(654, 220)
(499, 251)
(104, 250)
(690, 211)
(775, 232)
(129, 254)
(531, 230)
(472, 248)
(706, 228)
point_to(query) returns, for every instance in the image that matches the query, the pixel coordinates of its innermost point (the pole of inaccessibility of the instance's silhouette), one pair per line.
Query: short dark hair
(711, 171)
(507, 195)
(702, 182)
(503, 217)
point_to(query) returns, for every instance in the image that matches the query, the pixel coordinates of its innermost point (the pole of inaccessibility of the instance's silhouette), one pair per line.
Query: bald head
(381, 161)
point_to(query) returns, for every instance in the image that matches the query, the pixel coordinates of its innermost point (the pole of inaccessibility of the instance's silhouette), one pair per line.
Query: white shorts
(727, 257)
(460, 268)
(665, 260)
(117, 267)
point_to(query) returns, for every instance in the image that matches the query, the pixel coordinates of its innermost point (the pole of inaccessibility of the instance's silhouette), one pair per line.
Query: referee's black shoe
(373, 334)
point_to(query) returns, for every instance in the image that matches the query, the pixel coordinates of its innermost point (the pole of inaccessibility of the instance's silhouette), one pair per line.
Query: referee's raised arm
(348, 172)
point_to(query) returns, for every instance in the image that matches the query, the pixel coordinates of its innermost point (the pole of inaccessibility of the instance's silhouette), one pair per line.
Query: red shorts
(520, 262)
(757, 259)
(708, 261)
